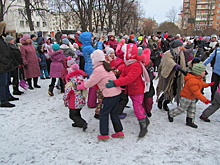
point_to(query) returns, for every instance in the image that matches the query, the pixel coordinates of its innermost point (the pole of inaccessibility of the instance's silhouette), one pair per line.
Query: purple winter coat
(30, 59)
(56, 65)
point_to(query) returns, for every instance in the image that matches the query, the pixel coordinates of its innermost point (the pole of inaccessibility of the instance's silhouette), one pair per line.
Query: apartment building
(17, 23)
(200, 14)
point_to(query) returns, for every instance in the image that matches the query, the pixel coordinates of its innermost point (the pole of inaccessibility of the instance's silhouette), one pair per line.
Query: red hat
(131, 36)
(165, 36)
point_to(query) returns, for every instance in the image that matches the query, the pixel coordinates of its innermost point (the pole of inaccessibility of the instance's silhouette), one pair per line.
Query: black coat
(6, 60)
(15, 52)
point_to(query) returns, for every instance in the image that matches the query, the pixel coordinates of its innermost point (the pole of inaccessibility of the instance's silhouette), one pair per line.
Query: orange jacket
(193, 86)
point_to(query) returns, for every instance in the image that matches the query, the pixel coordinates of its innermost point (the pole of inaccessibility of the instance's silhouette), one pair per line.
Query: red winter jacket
(131, 76)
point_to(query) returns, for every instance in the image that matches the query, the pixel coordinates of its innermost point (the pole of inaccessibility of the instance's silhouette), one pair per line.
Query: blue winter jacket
(42, 63)
(87, 49)
(217, 61)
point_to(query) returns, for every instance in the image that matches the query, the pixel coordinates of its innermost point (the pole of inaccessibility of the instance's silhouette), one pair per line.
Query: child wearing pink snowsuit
(100, 76)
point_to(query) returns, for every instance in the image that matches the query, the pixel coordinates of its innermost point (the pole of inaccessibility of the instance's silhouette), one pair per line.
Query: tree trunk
(28, 11)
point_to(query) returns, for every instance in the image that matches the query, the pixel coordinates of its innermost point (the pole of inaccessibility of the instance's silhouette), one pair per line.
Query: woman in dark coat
(30, 60)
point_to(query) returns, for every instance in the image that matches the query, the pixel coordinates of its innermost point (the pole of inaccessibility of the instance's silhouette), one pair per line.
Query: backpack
(214, 58)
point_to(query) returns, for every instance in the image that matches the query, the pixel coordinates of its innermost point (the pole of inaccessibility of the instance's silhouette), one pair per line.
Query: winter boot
(35, 82)
(160, 102)
(190, 123)
(149, 114)
(103, 137)
(143, 127)
(16, 90)
(50, 91)
(165, 107)
(118, 135)
(169, 117)
(29, 83)
(206, 119)
(62, 89)
(76, 117)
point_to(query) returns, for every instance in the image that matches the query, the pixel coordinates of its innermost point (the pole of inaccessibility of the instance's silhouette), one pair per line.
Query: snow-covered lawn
(38, 131)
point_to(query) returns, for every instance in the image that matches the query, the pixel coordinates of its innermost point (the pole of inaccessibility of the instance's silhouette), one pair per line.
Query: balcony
(204, 19)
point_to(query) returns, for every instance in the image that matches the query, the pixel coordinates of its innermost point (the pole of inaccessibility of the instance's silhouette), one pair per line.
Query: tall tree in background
(171, 15)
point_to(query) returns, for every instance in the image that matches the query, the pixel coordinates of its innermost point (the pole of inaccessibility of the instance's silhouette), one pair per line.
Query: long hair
(107, 66)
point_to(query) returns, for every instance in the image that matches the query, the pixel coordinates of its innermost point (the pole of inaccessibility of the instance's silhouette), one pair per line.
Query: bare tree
(4, 9)
(171, 14)
(148, 26)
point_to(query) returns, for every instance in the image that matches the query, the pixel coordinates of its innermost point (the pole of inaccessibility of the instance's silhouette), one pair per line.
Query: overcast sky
(158, 8)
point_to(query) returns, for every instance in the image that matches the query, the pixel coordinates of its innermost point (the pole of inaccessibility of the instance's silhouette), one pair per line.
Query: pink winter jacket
(100, 77)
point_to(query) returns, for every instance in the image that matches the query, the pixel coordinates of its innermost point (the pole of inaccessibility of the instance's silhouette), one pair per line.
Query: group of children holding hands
(123, 72)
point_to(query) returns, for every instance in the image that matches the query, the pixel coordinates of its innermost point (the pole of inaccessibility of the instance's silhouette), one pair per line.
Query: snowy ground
(38, 131)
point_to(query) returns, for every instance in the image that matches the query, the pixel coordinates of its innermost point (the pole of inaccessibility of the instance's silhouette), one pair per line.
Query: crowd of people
(104, 71)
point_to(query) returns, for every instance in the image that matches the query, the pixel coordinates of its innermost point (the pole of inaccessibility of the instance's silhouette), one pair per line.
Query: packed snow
(38, 131)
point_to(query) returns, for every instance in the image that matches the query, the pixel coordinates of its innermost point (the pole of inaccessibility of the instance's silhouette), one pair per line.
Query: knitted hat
(131, 36)
(70, 61)
(176, 44)
(109, 51)
(196, 60)
(75, 67)
(56, 47)
(8, 38)
(26, 36)
(97, 56)
(198, 69)
(32, 36)
(165, 36)
(65, 41)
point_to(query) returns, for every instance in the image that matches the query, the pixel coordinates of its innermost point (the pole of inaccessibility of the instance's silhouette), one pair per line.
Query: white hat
(97, 56)
(109, 51)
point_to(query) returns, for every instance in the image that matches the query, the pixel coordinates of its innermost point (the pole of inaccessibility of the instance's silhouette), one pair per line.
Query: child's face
(112, 55)
(203, 74)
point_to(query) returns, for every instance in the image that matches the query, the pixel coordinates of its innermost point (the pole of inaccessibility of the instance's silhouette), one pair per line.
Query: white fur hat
(109, 51)
(97, 56)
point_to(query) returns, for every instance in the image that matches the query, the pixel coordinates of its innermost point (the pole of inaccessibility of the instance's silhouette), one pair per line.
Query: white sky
(158, 8)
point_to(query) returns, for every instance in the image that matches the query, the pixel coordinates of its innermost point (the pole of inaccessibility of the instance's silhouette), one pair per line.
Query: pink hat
(131, 50)
(75, 67)
(26, 36)
(97, 56)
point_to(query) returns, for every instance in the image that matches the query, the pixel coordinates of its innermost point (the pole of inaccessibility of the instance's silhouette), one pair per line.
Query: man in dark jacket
(58, 37)
(6, 66)
(165, 44)
(17, 59)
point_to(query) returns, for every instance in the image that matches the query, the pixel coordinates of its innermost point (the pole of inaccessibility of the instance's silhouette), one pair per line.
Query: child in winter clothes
(56, 67)
(212, 108)
(100, 76)
(135, 77)
(43, 64)
(191, 91)
(74, 98)
(148, 96)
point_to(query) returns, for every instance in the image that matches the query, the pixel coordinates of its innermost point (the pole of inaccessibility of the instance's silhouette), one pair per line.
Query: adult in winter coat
(165, 44)
(215, 55)
(188, 52)
(30, 60)
(58, 36)
(66, 49)
(87, 49)
(40, 38)
(112, 42)
(15, 52)
(56, 67)
(170, 79)
(137, 82)
(6, 66)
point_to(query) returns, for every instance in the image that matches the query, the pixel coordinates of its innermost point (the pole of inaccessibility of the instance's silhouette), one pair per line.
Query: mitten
(207, 101)
(110, 84)
(80, 86)
(176, 67)
(25, 66)
(212, 83)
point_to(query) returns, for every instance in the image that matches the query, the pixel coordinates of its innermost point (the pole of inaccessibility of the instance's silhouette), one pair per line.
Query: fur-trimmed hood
(76, 73)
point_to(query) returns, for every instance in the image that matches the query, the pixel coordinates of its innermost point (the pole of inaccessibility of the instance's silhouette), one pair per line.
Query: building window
(218, 11)
(38, 24)
(217, 22)
(44, 24)
(21, 23)
(27, 23)
(216, 28)
(218, 17)
(20, 11)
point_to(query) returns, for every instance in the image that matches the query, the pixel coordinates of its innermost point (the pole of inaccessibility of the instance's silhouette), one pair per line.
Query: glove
(183, 71)
(110, 84)
(80, 86)
(25, 66)
(207, 101)
(176, 67)
(212, 83)
(20, 66)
